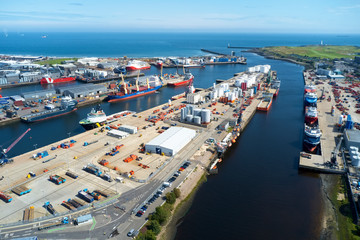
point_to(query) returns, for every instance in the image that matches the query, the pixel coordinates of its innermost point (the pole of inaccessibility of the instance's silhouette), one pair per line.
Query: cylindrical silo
(183, 114)
(197, 120)
(197, 112)
(189, 118)
(251, 92)
(190, 109)
(205, 116)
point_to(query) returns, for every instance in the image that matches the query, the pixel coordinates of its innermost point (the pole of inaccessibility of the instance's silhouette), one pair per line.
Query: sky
(231, 16)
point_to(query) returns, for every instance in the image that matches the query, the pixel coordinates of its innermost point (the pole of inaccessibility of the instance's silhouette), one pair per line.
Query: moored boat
(310, 88)
(311, 115)
(94, 119)
(313, 132)
(123, 92)
(265, 103)
(310, 99)
(188, 77)
(137, 65)
(48, 80)
(68, 105)
(275, 84)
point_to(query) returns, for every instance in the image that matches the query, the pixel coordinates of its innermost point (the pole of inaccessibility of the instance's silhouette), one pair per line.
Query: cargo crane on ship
(3, 155)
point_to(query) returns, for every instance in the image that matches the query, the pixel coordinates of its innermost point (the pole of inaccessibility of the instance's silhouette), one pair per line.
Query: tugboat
(95, 118)
(310, 99)
(68, 105)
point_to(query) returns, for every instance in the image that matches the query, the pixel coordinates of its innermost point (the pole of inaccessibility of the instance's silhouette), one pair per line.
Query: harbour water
(259, 192)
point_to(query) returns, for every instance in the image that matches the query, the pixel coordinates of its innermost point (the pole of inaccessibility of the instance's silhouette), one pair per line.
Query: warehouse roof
(353, 135)
(171, 138)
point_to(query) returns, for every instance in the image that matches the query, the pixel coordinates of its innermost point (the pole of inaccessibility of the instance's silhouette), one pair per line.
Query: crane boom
(16, 141)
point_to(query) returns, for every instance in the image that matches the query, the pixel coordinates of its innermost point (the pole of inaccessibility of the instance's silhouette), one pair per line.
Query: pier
(316, 162)
(214, 52)
(137, 173)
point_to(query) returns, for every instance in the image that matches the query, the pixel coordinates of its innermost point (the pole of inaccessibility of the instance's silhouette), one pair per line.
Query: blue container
(255, 89)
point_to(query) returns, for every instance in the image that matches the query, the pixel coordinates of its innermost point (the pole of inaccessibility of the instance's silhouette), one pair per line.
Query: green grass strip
(55, 229)
(93, 225)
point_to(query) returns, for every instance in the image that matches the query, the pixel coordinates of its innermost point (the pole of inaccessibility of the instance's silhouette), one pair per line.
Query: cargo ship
(311, 115)
(48, 80)
(124, 92)
(68, 105)
(310, 99)
(265, 103)
(95, 118)
(188, 78)
(275, 84)
(134, 65)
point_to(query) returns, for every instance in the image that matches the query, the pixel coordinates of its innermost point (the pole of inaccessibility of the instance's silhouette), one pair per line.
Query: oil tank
(183, 114)
(197, 112)
(189, 118)
(205, 115)
(251, 92)
(190, 109)
(197, 120)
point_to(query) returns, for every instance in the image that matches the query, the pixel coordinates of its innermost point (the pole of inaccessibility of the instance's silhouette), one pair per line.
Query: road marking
(27, 231)
(6, 235)
(27, 234)
(56, 229)
(93, 225)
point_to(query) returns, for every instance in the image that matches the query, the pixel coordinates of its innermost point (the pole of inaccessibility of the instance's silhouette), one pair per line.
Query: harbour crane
(3, 155)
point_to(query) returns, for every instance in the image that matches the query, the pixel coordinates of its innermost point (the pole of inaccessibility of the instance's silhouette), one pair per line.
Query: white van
(119, 179)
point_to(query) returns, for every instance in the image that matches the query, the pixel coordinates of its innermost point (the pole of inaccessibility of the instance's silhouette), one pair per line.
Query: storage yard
(75, 171)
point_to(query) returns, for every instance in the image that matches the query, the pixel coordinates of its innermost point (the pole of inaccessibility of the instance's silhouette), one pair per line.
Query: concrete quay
(131, 193)
(329, 132)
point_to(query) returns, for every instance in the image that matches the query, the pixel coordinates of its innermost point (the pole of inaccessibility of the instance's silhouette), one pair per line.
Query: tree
(177, 192)
(170, 198)
(161, 215)
(150, 235)
(154, 226)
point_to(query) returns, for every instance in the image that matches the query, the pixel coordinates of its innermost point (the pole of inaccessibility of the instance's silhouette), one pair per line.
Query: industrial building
(117, 133)
(171, 141)
(352, 138)
(128, 129)
(39, 94)
(81, 90)
(194, 98)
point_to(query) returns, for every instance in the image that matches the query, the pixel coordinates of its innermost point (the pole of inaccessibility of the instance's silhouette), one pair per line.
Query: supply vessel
(188, 78)
(68, 105)
(48, 80)
(94, 119)
(134, 65)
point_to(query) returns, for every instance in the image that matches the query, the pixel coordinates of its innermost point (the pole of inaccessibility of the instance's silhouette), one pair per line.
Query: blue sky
(256, 16)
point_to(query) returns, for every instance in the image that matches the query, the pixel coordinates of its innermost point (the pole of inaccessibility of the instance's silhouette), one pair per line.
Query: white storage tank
(251, 92)
(197, 120)
(190, 109)
(183, 114)
(197, 112)
(238, 83)
(205, 116)
(189, 118)
(353, 148)
(355, 161)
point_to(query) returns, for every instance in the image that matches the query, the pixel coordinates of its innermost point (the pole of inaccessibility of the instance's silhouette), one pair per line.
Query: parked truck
(91, 168)
(57, 179)
(85, 196)
(71, 174)
(75, 203)
(63, 221)
(5, 197)
(50, 208)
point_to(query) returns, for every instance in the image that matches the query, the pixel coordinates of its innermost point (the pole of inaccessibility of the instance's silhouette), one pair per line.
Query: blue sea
(151, 44)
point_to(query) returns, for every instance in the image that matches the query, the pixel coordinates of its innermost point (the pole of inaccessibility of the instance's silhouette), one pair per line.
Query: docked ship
(68, 105)
(313, 132)
(188, 78)
(48, 80)
(195, 65)
(275, 84)
(137, 65)
(311, 143)
(310, 99)
(265, 103)
(124, 92)
(310, 88)
(159, 63)
(311, 115)
(94, 119)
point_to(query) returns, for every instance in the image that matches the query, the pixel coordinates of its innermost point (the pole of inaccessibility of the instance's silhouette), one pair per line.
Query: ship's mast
(123, 83)
(137, 81)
